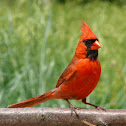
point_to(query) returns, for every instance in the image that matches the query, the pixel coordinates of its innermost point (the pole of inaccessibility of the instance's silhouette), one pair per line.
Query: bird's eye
(93, 40)
(89, 41)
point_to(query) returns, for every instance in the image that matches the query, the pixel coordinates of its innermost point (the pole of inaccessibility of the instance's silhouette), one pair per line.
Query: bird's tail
(35, 100)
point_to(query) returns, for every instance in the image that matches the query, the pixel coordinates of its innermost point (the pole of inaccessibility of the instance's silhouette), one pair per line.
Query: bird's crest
(87, 33)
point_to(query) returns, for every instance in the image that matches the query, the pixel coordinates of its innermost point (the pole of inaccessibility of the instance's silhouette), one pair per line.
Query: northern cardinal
(79, 78)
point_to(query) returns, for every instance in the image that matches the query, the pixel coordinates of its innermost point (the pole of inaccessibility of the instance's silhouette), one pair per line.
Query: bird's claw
(101, 108)
(73, 109)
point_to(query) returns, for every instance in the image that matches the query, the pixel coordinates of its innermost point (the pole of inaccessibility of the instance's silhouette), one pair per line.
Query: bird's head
(88, 37)
(88, 44)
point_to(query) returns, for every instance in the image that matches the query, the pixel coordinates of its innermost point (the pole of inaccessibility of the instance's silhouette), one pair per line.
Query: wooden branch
(61, 117)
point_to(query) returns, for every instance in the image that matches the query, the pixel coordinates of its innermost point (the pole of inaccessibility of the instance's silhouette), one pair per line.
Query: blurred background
(38, 39)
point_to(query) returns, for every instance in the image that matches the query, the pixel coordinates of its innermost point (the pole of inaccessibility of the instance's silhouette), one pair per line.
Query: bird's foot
(73, 109)
(100, 108)
(97, 107)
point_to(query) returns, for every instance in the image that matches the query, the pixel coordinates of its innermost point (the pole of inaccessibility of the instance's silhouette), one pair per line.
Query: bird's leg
(97, 107)
(73, 109)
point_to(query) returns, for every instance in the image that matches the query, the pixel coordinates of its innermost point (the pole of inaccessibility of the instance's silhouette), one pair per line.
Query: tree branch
(61, 117)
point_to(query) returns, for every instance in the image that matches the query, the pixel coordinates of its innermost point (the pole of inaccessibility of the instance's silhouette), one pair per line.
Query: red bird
(79, 78)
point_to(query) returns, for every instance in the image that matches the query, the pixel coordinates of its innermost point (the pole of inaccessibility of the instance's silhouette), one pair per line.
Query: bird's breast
(84, 81)
(88, 75)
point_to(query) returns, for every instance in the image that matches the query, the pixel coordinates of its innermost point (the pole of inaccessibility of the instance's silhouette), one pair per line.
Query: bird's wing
(68, 73)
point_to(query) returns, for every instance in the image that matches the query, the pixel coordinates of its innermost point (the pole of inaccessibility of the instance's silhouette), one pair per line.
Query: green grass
(37, 42)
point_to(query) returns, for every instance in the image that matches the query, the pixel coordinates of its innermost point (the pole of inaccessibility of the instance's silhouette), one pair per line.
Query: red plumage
(79, 78)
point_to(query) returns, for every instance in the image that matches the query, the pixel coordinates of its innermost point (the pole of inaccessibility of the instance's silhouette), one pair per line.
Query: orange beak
(95, 46)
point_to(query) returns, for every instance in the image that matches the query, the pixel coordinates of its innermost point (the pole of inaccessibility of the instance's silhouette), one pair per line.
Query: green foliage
(38, 40)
